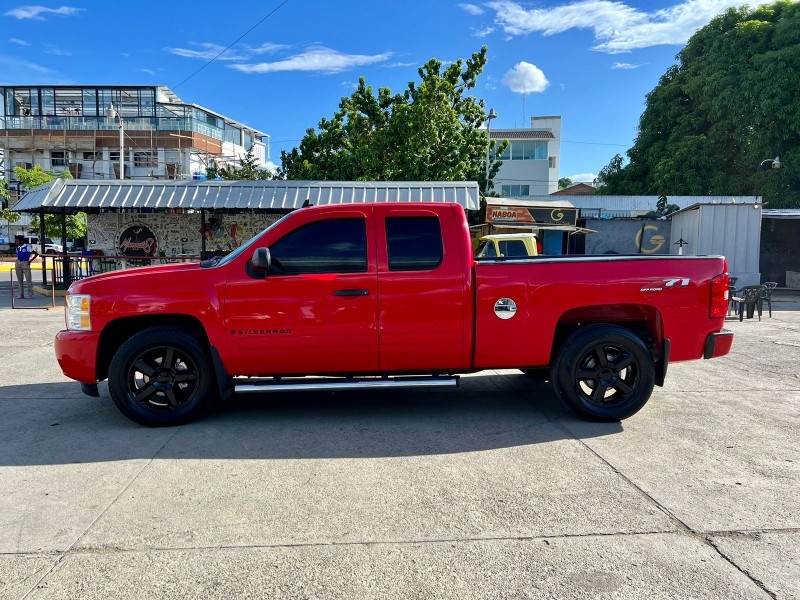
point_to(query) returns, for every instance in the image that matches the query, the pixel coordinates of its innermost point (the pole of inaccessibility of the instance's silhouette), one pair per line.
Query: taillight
(718, 308)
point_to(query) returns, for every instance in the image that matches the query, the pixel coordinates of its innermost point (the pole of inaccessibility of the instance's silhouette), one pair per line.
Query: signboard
(137, 240)
(520, 214)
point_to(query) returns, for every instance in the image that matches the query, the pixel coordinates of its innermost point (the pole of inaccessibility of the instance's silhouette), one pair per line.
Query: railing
(69, 268)
(76, 123)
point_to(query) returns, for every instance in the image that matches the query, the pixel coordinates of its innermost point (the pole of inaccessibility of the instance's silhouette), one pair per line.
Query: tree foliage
(248, 169)
(76, 224)
(564, 182)
(729, 103)
(430, 132)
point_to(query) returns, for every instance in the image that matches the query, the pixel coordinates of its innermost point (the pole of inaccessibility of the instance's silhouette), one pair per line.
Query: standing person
(25, 254)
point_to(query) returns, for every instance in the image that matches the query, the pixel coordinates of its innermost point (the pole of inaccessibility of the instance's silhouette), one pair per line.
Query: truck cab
(507, 245)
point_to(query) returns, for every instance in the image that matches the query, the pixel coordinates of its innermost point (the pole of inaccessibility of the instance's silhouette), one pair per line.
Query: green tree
(729, 103)
(248, 169)
(430, 132)
(76, 224)
(564, 182)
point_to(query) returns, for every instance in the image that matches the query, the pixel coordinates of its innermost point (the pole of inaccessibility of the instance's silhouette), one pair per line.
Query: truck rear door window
(414, 243)
(333, 246)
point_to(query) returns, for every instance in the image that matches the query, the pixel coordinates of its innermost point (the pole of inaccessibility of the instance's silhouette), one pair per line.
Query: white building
(65, 128)
(531, 160)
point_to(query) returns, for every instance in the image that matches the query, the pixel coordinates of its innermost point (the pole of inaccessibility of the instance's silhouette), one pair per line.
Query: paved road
(493, 490)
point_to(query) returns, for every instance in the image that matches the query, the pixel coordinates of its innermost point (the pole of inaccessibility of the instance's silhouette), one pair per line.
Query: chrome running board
(303, 384)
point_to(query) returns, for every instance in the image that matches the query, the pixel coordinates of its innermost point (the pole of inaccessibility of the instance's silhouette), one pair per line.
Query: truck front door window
(513, 248)
(333, 246)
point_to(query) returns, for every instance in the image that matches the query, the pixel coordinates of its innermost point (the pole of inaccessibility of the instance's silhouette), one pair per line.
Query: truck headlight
(78, 309)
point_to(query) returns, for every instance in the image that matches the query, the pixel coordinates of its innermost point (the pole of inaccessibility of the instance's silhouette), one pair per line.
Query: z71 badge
(669, 283)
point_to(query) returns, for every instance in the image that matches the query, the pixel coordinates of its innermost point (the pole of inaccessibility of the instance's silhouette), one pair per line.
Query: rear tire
(161, 377)
(604, 373)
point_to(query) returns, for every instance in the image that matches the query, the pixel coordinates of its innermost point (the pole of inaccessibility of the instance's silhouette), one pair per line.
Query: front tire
(161, 377)
(604, 373)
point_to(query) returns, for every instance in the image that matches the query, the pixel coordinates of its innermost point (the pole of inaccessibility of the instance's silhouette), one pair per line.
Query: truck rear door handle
(351, 293)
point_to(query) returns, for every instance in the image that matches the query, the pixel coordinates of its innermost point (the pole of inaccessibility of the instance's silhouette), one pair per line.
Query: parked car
(509, 245)
(50, 247)
(388, 295)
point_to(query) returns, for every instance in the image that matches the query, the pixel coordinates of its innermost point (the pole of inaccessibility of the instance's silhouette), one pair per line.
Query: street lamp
(113, 113)
(492, 115)
(774, 163)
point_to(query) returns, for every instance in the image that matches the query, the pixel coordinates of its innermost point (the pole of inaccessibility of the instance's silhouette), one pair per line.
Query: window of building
(515, 190)
(113, 156)
(69, 102)
(333, 246)
(248, 140)
(144, 159)
(58, 159)
(90, 102)
(551, 162)
(414, 243)
(91, 156)
(527, 150)
(233, 135)
(48, 101)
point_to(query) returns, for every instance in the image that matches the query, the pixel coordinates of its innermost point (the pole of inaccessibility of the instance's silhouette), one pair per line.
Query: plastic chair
(749, 298)
(768, 286)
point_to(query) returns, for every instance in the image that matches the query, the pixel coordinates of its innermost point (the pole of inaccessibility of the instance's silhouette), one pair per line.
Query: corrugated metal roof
(88, 195)
(781, 213)
(636, 204)
(520, 134)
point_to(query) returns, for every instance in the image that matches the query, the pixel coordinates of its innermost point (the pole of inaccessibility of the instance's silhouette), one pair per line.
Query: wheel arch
(116, 332)
(643, 320)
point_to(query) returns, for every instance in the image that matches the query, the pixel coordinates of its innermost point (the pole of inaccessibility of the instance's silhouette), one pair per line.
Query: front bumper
(718, 344)
(76, 352)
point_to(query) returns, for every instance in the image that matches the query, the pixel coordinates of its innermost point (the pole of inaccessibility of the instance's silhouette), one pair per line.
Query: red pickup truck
(384, 295)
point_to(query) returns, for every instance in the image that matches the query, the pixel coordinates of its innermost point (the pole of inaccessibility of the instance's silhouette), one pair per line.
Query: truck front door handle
(351, 293)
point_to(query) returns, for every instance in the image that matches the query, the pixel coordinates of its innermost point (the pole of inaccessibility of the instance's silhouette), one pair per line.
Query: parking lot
(492, 490)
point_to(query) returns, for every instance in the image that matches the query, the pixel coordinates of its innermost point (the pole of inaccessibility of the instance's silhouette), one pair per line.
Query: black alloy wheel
(160, 377)
(604, 372)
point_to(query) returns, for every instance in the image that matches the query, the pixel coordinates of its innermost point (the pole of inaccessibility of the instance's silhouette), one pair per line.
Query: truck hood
(147, 275)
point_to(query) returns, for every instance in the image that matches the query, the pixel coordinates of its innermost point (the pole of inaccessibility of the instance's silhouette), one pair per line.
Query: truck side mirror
(262, 260)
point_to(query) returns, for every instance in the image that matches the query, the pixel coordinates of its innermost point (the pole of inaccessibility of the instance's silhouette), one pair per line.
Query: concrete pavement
(492, 490)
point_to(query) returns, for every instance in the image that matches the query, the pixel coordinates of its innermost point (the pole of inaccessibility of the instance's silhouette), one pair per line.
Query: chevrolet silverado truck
(387, 295)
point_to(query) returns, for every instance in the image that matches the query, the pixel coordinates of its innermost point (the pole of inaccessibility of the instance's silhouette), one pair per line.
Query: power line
(231, 44)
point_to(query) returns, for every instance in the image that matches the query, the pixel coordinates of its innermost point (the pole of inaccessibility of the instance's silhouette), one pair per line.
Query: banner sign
(519, 214)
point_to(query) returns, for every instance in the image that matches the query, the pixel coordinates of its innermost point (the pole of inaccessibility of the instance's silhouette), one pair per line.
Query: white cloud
(268, 48)
(36, 12)
(207, 51)
(148, 71)
(621, 65)
(617, 26)
(24, 66)
(472, 9)
(315, 59)
(483, 32)
(18, 42)
(583, 178)
(524, 78)
(397, 65)
(50, 49)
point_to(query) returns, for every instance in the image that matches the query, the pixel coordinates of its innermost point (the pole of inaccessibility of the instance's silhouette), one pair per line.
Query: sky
(287, 63)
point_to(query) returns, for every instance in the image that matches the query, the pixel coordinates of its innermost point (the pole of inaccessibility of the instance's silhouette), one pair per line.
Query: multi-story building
(531, 160)
(66, 127)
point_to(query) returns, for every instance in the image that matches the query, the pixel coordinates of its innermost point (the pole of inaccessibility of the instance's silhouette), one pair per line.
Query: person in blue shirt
(25, 254)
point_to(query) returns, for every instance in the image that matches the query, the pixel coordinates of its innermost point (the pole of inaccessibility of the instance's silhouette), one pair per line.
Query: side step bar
(307, 384)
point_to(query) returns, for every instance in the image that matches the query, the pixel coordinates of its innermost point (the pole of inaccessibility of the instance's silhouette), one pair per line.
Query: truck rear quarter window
(332, 246)
(414, 243)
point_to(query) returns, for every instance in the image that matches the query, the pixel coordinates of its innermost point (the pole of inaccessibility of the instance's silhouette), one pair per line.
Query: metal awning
(83, 195)
(546, 227)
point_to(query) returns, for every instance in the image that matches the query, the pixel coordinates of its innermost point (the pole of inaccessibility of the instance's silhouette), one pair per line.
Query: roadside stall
(553, 222)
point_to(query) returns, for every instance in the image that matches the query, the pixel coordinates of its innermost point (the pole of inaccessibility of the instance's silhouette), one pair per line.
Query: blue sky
(590, 61)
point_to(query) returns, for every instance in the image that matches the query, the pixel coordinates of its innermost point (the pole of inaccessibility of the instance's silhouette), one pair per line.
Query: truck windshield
(244, 247)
